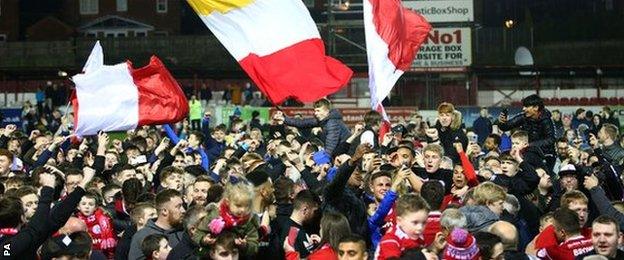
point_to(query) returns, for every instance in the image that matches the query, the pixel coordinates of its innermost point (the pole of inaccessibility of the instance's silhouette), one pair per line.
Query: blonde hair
(240, 191)
(488, 192)
(457, 120)
(573, 196)
(436, 148)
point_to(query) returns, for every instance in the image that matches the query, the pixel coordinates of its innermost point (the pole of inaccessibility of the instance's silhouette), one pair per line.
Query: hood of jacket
(478, 217)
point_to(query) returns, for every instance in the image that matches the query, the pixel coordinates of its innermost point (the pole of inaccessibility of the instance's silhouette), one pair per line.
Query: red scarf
(230, 220)
(120, 207)
(99, 226)
(8, 231)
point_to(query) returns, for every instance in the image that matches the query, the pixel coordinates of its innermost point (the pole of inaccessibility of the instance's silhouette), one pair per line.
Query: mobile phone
(292, 235)
(474, 138)
(138, 160)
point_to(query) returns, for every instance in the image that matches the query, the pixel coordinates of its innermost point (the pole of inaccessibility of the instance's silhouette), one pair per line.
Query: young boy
(99, 224)
(155, 247)
(412, 212)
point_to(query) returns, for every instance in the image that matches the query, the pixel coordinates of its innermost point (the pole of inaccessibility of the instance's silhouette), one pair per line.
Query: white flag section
(119, 97)
(107, 95)
(393, 36)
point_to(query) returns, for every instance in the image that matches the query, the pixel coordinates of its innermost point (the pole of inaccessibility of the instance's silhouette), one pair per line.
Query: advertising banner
(444, 48)
(443, 11)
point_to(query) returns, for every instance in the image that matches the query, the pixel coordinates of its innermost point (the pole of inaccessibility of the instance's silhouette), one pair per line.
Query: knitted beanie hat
(461, 245)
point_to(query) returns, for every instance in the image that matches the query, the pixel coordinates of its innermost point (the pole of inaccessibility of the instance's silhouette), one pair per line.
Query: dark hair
(372, 118)
(334, 227)
(486, 242)
(164, 197)
(215, 193)
(7, 153)
(323, 102)
(79, 247)
(10, 212)
(305, 198)
(354, 238)
(380, 174)
(151, 243)
(284, 187)
(25, 190)
(168, 171)
(567, 220)
(132, 190)
(433, 193)
(561, 140)
(533, 100)
(496, 138)
(226, 241)
(220, 127)
(199, 135)
(607, 220)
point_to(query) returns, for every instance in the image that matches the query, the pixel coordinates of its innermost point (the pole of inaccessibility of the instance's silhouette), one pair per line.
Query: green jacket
(195, 110)
(249, 230)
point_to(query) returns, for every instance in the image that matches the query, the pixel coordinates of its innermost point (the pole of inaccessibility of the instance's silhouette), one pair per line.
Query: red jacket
(100, 227)
(323, 253)
(394, 242)
(432, 227)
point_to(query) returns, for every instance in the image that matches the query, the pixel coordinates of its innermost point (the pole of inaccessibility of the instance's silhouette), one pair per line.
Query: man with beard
(170, 207)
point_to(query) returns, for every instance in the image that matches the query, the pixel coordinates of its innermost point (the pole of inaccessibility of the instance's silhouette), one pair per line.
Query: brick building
(9, 20)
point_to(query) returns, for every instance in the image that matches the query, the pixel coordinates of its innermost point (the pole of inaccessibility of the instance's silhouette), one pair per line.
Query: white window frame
(122, 5)
(3, 37)
(94, 6)
(166, 5)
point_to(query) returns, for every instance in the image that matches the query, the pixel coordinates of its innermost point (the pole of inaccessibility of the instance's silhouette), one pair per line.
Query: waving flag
(393, 36)
(277, 43)
(119, 97)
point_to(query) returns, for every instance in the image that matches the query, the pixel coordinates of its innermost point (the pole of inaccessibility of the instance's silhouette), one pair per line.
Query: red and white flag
(393, 36)
(120, 97)
(278, 44)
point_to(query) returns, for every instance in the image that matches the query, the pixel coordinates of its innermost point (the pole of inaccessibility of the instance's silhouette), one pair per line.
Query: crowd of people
(536, 185)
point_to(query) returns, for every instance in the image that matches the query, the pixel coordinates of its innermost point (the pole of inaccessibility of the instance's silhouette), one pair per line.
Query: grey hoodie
(173, 235)
(478, 217)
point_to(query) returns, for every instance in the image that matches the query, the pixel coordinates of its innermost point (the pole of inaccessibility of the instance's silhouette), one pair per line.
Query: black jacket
(334, 128)
(340, 198)
(185, 249)
(41, 226)
(276, 249)
(123, 246)
(447, 138)
(541, 131)
(524, 182)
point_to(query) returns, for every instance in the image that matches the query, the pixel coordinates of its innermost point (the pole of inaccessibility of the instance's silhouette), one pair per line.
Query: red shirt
(432, 227)
(323, 253)
(569, 249)
(394, 242)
